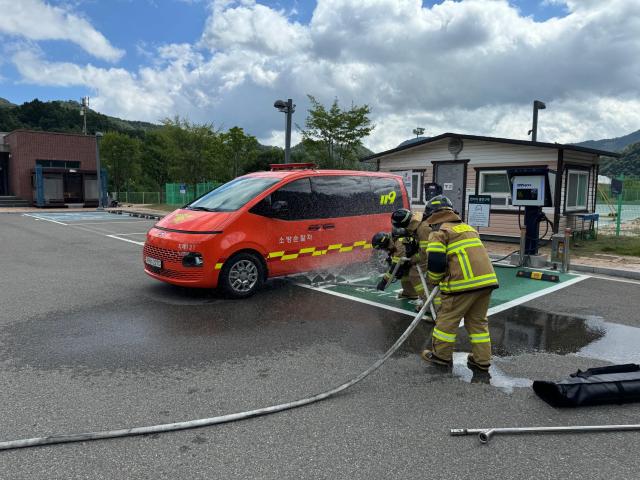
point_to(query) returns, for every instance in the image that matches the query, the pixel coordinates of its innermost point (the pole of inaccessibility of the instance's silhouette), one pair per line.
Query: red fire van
(290, 220)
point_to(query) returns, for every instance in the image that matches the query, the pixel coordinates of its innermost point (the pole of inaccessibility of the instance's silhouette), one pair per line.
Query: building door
(73, 188)
(4, 175)
(452, 177)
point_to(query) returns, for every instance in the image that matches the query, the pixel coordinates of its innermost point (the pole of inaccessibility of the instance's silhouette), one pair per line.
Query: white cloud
(37, 20)
(471, 66)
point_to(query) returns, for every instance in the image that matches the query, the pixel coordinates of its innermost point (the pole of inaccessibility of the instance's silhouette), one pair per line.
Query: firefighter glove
(382, 284)
(411, 247)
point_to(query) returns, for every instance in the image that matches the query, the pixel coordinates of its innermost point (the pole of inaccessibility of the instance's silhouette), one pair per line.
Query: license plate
(154, 262)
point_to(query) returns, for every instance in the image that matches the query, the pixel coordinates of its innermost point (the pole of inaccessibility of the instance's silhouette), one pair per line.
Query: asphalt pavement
(89, 342)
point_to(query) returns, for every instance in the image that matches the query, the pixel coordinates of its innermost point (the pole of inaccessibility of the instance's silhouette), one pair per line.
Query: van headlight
(192, 259)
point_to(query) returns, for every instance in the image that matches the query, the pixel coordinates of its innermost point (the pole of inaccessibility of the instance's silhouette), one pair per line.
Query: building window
(58, 164)
(496, 184)
(577, 188)
(417, 187)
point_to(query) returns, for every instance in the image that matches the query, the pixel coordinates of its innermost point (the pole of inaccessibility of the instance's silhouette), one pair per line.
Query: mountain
(612, 144)
(6, 103)
(628, 163)
(64, 116)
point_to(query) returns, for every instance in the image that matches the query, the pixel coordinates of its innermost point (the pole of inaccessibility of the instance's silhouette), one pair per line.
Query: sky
(466, 66)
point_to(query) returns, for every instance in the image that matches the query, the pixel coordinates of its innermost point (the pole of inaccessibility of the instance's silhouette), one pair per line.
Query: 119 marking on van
(388, 198)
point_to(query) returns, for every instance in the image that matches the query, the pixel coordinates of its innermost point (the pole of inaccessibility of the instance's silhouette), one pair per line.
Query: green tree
(154, 161)
(238, 150)
(191, 150)
(334, 136)
(265, 157)
(120, 155)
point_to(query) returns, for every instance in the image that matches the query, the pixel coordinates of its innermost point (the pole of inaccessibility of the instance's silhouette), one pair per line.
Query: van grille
(195, 274)
(163, 254)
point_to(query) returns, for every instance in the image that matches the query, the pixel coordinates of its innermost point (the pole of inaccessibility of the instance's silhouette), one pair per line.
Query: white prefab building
(466, 165)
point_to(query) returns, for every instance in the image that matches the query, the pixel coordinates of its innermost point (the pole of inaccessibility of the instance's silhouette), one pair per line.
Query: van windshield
(233, 195)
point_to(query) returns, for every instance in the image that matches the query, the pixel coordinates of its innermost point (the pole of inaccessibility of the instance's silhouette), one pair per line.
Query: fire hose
(203, 422)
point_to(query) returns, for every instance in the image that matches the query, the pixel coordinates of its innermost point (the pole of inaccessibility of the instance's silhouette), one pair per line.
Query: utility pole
(84, 108)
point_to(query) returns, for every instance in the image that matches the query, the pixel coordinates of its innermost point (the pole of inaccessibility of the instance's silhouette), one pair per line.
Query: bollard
(523, 240)
(566, 261)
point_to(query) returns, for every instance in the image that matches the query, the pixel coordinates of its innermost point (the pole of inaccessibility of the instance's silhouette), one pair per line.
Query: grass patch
(623, 245)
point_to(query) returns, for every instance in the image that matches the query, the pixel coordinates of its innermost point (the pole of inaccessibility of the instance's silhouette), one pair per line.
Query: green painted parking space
(513, 291)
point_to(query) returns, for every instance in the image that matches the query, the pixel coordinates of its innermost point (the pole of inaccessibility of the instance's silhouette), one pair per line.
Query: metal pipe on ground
(485, 434)
(203, 422)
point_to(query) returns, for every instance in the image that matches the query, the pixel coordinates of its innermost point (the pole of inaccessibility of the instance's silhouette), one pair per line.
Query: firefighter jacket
(398, 250)
(458, 261)
(421, 232)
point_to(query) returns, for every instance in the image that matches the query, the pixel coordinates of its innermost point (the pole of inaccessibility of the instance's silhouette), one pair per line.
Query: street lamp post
(287, 108)
(537, 105)
(99, 173)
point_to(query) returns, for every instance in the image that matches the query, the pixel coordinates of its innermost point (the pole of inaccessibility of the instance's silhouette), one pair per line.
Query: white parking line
(356, 299)
(531, 296)
(44, 218)
(101, 223)
(492, 311)
(114, 236)
(124, 239)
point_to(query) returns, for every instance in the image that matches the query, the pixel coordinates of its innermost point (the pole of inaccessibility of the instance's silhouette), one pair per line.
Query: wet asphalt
(89, 342)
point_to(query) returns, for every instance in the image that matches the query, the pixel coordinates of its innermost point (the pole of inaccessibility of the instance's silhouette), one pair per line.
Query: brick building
(68, 167)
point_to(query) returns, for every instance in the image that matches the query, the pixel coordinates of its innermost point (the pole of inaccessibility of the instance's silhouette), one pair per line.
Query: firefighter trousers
(412, 284)
(473, 307)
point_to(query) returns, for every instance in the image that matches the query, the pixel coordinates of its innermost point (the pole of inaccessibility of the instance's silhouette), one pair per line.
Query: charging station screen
(527, 193)
(528, 190)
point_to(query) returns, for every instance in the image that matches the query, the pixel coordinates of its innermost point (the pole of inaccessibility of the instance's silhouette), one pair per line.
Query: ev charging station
(530, 189)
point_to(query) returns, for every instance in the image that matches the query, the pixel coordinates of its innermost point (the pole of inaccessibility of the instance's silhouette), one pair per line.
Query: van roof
(313, 172)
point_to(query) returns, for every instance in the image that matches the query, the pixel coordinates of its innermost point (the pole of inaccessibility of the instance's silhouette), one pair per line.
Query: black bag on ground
(595, 386)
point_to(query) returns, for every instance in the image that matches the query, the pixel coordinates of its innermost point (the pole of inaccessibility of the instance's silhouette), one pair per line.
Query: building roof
(528, 143)
(46, 132)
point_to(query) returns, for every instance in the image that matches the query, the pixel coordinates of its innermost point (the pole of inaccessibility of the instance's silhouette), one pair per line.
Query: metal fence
(620, 213)
(180, 193)
(139, 197)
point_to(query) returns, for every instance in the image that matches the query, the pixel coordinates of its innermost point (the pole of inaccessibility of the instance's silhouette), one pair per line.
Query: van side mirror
(280, 208)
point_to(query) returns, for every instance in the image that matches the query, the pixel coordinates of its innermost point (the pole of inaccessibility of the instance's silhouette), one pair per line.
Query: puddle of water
(525, 330)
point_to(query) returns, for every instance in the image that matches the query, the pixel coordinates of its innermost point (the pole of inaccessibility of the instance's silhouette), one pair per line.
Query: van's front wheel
(242, 275)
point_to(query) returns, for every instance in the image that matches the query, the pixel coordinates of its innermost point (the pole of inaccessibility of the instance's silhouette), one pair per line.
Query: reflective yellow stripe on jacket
(471, 284)
(436, 247)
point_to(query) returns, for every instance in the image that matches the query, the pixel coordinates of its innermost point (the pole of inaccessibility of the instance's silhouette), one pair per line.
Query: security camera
(279, 104)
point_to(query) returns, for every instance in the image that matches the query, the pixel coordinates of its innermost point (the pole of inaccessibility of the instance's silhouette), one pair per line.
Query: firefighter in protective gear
(460, 265)
(416, 226)
(398, 247)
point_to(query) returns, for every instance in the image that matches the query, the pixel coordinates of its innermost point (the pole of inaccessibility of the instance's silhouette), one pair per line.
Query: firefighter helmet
(401, 218)
(437, 203)
(380, 240)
